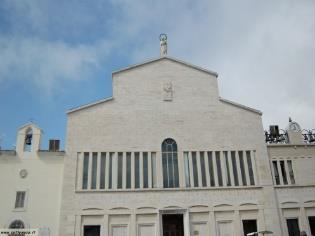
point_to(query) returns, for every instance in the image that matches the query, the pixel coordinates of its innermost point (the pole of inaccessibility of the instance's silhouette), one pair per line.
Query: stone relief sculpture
(167, 91)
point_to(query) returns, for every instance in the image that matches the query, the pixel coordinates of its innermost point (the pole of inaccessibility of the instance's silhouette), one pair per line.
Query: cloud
(273, 69)
(48, 64)
(46, 44)
(263, 51)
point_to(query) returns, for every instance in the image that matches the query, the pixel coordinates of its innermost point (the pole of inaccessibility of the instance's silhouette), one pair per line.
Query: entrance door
(311, 220)
(146, 230)
(249, 226)
(198, 229)
(119, 230)
(92, 230)
(293, 227)
(225, 228)
(173, 225)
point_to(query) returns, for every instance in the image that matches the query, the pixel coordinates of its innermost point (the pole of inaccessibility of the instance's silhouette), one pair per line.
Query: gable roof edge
(169, 58)
(88, 105)
(30, 124)
(240, 106)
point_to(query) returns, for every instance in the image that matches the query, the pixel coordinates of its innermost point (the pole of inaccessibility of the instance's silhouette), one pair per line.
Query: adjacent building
(31, 182)
(292, 160)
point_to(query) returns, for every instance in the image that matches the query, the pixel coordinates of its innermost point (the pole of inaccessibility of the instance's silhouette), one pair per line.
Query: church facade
(158, 152)
(166, 155)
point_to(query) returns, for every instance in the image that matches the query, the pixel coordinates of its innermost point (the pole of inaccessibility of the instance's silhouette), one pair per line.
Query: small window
(137, 170)
(242, 167)
(128, 170)
(219, 170)
(284, 173)
(234, 166)
(291, 173)
(103, 168)
(195, 168)
(227, 168)
(187, 169)
(250, 168)
(203, 169)
(120, 170)
(211, 171)
(110, 170)
(85, 171)
(94, 170)
(20, 199)
(276, 172)
(145, 170)
(153, 169)
(17, 224)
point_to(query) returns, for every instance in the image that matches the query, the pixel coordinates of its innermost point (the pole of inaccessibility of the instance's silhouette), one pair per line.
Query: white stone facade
(165, 148)
(37, 174)
(136, 120)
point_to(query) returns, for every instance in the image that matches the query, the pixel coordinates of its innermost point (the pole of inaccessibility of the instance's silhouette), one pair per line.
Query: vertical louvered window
(219, 170)
(137, 170)
(128, 169)
(103, 168)
(94, 170)
(85, 170)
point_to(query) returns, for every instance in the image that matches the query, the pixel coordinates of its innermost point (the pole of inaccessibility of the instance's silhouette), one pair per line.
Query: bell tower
(28, 140)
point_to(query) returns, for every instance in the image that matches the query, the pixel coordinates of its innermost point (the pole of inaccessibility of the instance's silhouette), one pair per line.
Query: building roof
(111, 98)
(168, 58)
(154, 60)
(30, 124)
(89, 105)
(240, 106)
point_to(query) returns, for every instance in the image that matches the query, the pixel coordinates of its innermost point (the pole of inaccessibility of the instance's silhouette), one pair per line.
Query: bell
(28, 139)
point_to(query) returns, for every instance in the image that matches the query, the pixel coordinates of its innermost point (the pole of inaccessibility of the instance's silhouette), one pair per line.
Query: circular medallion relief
(23, 173)
(293, 126)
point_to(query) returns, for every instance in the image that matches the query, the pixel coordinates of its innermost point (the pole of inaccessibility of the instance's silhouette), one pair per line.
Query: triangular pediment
(169, 59)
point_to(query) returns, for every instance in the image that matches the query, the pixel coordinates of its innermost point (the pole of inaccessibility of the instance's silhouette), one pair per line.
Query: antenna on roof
(163, 45)
(31, 120)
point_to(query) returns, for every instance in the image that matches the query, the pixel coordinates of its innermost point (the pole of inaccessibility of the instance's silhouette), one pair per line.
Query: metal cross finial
(163, 45)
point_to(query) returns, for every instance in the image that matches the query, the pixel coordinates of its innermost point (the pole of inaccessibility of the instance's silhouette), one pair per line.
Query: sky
(55, 55)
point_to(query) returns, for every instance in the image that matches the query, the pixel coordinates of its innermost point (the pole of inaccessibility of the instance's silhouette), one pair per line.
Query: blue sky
(55, 55)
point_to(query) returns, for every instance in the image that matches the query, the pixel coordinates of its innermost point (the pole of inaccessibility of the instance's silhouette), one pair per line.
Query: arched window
(28, 140)
(17, 224)
(170, 164)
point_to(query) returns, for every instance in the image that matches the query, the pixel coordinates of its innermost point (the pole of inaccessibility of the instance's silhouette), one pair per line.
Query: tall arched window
(17, 224)
(170, 164)
(28, 140)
